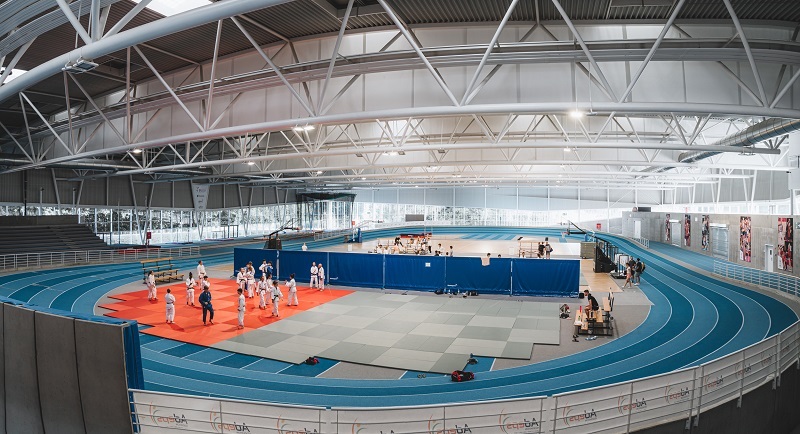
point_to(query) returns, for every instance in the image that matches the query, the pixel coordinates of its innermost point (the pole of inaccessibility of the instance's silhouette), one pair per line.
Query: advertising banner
(164, 414)
(706, 232)
(238, 417)
(717, 381)
(667, 230)
(200, 196)
(785, 243)
(416, 420)
(745, 247)
(591, 410)
(687, 230)
(663, 398)
(508, 417)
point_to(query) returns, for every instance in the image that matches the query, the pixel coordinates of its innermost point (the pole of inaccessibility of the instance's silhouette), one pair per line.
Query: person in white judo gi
(263, 268)
(201, 271)
(321, 276)
(240, 308)
(170, 300)
(314, 282)
(276, 295)
(190, 284)
(250, 275)
(264, 287)
(151, 287)
(241, 278)
(292, 287)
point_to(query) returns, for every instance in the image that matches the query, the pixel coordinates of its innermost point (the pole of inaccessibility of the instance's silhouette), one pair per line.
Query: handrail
(623, 407)
(83, 257)
(643, 241)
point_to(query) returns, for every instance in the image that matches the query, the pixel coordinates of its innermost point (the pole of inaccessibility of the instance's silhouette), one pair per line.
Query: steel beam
(584, 47)
(168, 88)
(411, 41)
(489, 49)
(76, 24)
(272, 65)
(213, 75)
(14, 60)
(747, 50)
(335, 54)
(127, 18)
(652, 51)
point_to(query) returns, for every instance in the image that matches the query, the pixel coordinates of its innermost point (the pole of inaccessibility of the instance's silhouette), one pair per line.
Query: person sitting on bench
(592, 305)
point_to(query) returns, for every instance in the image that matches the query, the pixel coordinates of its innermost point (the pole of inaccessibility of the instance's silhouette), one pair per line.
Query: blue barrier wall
(513, 276)
(546, 277)
(466, 274)
(366, 271)
(421, 273)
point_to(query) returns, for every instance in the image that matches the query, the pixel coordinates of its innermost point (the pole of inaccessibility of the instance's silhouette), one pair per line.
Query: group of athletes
(266, 289)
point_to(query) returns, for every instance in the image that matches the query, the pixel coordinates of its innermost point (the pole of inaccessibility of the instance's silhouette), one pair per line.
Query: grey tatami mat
(411, 332)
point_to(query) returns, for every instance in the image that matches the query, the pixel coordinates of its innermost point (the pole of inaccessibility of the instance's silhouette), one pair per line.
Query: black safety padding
(101, 374)
(2, 376)
(23, 413)
(58, 374)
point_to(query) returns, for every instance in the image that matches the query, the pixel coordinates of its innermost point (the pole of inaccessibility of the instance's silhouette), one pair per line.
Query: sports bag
(312, 361)
(459, 376)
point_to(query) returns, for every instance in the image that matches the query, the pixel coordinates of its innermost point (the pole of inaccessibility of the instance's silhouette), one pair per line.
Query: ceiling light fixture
(250, 163)
(319, 172)
(137, 151)
(576, 114)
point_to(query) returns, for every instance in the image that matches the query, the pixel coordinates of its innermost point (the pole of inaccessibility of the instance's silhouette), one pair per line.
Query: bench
(597, 323)
(162, 269)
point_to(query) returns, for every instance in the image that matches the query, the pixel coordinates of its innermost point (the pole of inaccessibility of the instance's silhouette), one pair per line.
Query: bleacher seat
(48, 238)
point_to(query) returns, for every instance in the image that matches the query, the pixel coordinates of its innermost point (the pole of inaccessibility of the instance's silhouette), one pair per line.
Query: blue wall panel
(469, 274)
(415, 272)
(546, 277)
(298, 263)
(355, 269)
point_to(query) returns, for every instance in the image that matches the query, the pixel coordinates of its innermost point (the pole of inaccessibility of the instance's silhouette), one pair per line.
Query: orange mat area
(188, 326)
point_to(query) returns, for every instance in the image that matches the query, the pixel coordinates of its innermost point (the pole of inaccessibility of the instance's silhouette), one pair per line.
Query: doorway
(769, 257)
(637, 229)
(677, 232)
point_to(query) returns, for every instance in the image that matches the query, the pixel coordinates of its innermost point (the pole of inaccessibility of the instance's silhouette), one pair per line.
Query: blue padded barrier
(355, 269)
(298, 263)
(425, 273)
(466, 274)
(546, 277)
(532, 277)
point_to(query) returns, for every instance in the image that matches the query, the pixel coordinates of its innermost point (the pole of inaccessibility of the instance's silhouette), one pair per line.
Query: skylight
(173, 7)
(15, 73)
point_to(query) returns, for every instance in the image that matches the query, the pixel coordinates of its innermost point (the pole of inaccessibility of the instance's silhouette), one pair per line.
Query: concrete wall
(764, 230)
(56, 378)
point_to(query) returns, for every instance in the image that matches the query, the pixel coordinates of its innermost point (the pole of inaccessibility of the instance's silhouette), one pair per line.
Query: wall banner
(687, 230)
(706, 232)
(667, 230)
(745, 246)
(200, 196)
(785, 243)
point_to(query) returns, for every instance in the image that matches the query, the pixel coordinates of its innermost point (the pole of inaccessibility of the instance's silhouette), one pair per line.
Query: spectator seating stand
(162, 269)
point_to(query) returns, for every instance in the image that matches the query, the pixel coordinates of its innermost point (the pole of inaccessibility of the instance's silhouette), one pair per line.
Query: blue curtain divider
(355, 269)
(513, 276)
(242, 256)
(426, 273)
(467, 274)
(546, 277)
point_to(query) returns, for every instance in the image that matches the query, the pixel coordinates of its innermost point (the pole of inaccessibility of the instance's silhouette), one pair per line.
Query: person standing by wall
(240, 309)
(263, 268)
(321, 276)
(250, 275)
(205, 301)
(170, 300)
(314, 282)
(292, 287)
(241, 278)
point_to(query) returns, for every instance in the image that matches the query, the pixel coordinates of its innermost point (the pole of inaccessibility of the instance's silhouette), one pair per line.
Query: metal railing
(336, 233)
(781, 282)
(643, 241)
(622, 407)
(83, 257)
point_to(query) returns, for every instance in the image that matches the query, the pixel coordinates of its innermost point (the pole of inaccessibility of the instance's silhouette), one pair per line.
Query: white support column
(335, 54)
(213, 74)
(127, 18)
(76, 24)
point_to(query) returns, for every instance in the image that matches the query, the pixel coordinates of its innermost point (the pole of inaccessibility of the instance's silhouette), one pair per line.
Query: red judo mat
(188, 326)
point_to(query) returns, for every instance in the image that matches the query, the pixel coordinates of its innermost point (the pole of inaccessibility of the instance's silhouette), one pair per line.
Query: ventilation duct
(749, 136)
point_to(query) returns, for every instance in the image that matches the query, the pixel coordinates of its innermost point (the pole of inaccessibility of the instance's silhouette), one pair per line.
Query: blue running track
(694, 319)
